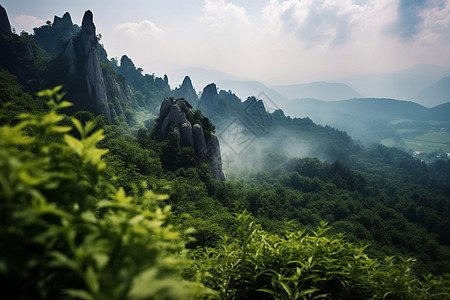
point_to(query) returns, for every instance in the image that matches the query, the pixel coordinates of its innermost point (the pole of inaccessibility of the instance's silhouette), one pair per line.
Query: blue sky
(273, 41)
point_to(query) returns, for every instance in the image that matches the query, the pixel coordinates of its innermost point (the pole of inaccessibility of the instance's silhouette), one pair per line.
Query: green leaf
(64, 104)
(61, 260)
(45, 93)
(78, 126)
(89, 126)
(266, 291)
(74, 143)
(79, 294)
(92, 279)
(285, 287)
(122, 197)
(307, 292)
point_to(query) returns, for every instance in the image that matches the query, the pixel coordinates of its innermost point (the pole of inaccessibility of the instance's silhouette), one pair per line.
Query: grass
(430, 142)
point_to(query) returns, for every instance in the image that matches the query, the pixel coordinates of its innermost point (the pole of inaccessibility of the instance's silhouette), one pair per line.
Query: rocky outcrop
(176, 117)
(186, 91)
(214, 156)
(186, 135)
(83, 56)
(209, 101)
(5, 26)
(199, 141)
(214, 103)
(172, 113)
(126, 66)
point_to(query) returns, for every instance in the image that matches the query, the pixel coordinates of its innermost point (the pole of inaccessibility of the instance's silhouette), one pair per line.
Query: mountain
(318, 90)
(246, 127)
(435, 94)
(272, 99)
(186, 90)
(393, 122)
(5, 26)
(51, 37)
(87, 77)
(201, 76)
(440, 112)
(405, 84)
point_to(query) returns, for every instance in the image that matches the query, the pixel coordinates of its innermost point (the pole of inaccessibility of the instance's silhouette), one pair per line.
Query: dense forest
(98, 208)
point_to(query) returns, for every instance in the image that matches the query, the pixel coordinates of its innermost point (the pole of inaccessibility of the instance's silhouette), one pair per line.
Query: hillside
(435, 94)
(393, 122)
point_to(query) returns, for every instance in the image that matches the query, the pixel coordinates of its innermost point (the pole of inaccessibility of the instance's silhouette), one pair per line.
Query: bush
(299, 265)
(66, 232)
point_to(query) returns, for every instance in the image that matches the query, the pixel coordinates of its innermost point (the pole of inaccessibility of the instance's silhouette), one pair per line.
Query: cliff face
(83, 55)
(5, 26)
(173, 118)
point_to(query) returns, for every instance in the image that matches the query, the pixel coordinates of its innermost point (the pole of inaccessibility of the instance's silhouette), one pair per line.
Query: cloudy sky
(274, 41)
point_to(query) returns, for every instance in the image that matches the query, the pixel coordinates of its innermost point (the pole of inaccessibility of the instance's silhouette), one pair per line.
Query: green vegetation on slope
(73, 233)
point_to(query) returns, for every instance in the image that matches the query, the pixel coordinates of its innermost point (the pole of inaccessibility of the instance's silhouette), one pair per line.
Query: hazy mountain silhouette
(319, 90)
(405, 84)
(435, 94)
(200, 76)
(366, 119)
(244, 89)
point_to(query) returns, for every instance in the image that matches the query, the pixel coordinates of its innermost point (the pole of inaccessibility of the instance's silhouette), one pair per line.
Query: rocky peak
(186, 91)
(88, 32)
(101, 86)
(5, 26)
(66, 20)
(87, 24)
(187, 83)
(209, 101)
(126, 65)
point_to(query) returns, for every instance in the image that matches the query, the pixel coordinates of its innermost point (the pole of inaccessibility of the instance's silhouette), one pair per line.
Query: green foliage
(23, 58)
(13, 101)
(80, 220)
(51, 38)
(396, 218)
(67, 232)
(256, 264)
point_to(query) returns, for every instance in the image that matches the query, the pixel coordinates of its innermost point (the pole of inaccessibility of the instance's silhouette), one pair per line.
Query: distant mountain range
(373, 119)
(416, 83)
(369, 108)
(436, 93)
(244, 89)
(429, 88)
(319, 90)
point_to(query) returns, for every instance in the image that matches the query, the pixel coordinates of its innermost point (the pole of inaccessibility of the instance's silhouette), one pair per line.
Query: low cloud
(220, 13)
(140, 31)
(26, 23)
(315, 21)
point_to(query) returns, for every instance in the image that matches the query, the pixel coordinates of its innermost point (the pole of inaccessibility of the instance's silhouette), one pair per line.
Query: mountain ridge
(328, 91)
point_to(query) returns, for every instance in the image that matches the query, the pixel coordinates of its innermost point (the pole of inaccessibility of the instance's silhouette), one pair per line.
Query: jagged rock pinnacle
(88, 23)
(5, 26)
(209, 101)
(65, 20)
